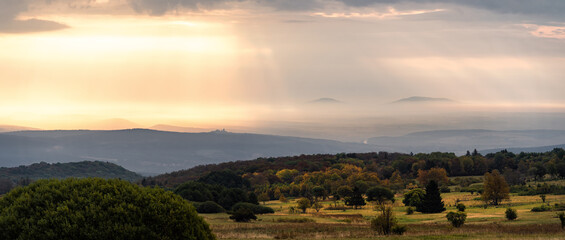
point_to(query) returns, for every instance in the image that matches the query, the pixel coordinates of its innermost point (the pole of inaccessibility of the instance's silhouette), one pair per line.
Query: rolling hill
(45, 170)
(152, 152)
(459, 141)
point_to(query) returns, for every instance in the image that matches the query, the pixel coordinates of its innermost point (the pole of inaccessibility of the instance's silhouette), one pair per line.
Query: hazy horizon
(258, 65)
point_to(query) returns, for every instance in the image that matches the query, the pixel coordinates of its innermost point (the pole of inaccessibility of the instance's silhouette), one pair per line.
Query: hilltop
(82, 169)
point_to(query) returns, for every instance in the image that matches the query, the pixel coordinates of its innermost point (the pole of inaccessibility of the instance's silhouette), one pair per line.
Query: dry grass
(488, 223)
(361, 231)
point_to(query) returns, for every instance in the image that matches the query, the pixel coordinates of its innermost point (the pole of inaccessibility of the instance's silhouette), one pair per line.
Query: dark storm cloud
(538, 7)
(10, 9)
(160, 7)
(553, 8)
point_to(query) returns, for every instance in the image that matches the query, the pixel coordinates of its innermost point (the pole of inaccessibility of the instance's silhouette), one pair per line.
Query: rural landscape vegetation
(324, 196)
(282, 119)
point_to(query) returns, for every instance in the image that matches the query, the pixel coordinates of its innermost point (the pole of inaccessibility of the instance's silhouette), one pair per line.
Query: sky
(259, 65)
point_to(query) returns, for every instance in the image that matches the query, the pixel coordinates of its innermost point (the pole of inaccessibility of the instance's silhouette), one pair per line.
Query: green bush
(208, 207)
(399, 229)
(511, 214)
(445, 189)
(410, 210)
(94, 208)
(561, 217)
(461, 207)
(383, 223)
(243, 214)
(257, 209)
(542, 208)
(414, 197)
(457, 219)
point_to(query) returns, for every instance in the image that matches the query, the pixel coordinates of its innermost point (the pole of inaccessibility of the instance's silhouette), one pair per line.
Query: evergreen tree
(356, 200)
(252, 198)
(432, 202)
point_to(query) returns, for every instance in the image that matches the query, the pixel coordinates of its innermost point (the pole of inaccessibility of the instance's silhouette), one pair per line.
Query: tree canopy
(95, 208)
(495, 188)
(379, 195)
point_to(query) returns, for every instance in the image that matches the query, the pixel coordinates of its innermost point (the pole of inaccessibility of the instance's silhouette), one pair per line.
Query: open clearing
(482, 223)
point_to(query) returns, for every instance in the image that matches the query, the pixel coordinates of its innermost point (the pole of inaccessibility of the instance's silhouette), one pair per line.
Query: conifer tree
(432, 202)
(356, 200)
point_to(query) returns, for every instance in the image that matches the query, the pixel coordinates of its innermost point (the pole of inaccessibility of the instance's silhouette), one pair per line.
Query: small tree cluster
(386, 223)
(303, 204)
(457, 219)
(356, 199)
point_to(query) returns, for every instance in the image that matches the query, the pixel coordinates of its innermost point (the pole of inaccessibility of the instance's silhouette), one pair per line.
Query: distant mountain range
(152, 152)
(459, 141)
(325, 101)
(11, 128)
(45, 170)
(419, 99)
(518, 150)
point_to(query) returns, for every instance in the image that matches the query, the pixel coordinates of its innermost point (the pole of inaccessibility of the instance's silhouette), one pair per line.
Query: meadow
(482, 223)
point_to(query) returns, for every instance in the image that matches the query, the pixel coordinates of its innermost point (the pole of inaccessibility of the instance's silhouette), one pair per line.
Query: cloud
(379, 15)
(30, 25)
(544, 31)
(9, 11)
(160, 7)
(538, 7)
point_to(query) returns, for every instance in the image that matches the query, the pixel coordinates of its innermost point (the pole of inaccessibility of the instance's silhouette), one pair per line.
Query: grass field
(482, 223)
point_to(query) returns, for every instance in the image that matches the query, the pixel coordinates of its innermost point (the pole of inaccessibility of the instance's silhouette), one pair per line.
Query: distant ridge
(82, 169)
(325, 100)
(461, 140)
(518, 150)
(152, 152)
(12, 128)
(171, 128)
(419, 99)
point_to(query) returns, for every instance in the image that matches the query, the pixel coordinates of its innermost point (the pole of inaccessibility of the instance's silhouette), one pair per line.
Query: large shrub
(414, 197)
(511, 214)
(383, 223)
(457, 219)
(95, 208)
(461, 207)
(386, 223)
(379, 195)
(257, 209)
(208, 207)
(243, 215)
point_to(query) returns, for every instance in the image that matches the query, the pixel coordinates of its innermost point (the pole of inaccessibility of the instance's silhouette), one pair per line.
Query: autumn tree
(319, 192)
(439, 175)
(287, 175)
(344, 191)
(495, 188)
(263, 197)
(303, 204)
